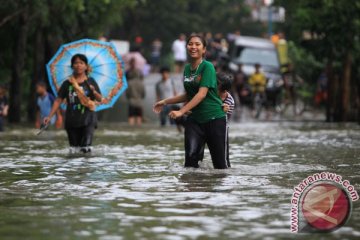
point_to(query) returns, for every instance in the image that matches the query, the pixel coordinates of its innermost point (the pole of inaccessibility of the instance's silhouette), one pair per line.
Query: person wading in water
(81, 94)
(206, 124)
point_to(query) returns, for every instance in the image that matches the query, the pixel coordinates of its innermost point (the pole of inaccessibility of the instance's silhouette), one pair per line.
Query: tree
(167, 19)
(334, 27)
(47, 25)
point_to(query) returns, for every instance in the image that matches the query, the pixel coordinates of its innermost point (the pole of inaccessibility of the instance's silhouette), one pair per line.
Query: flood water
(134, 186)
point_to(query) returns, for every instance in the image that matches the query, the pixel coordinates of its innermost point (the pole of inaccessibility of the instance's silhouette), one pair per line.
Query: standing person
(44, 102)
(291, 82)
(156, 47)
(224, 87)
(165, 88)
(179, 50)
(135, 94)
(321, 89)
(4, 107)
(241, 88)
(206, 124)
(80, 93)
(257, 81)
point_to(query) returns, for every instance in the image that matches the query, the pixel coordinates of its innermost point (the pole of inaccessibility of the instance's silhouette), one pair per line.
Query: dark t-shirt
(78, 115)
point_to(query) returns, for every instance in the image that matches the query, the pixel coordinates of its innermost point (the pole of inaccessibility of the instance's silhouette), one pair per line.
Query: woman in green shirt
(206, 123)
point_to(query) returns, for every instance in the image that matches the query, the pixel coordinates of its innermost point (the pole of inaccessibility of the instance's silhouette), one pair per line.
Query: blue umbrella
(106, 67)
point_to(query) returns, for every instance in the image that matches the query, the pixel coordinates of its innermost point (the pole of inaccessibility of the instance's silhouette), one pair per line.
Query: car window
(266, 57)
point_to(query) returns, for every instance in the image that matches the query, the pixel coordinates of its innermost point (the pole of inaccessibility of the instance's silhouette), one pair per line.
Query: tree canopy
(333, 29)
(32, 30)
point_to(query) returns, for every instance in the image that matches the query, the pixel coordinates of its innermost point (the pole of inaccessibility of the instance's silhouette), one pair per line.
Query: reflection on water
(133, 185)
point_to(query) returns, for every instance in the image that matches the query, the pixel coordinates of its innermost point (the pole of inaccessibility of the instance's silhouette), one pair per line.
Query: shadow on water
(133, 185)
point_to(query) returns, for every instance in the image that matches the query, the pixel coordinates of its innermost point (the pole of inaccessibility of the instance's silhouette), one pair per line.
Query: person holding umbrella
(82, 94)
(206, 122)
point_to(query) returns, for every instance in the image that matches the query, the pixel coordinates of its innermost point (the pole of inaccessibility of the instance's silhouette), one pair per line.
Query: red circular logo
(325, 206)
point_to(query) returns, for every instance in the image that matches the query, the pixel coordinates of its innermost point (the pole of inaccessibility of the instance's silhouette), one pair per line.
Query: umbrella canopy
(106, 67)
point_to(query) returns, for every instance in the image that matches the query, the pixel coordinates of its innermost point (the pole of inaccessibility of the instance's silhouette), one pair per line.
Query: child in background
(165, 88)
(44, 102)
(224, 86)
(135, 94)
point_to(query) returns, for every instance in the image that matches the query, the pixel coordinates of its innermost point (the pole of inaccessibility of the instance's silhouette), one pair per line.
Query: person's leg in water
(131, 121)
(1, 124)
(194, 143)
(74, 137)
(86, 138)
(179, 122)
(139, 121)
(201, 153)
(139, 116)
(131, 117)
(227, 145)
(216, 138)
(164, 115)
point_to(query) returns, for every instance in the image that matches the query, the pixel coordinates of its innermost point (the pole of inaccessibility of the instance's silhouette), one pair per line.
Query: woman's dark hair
(224, 81)
(80, 56)
(202, 39)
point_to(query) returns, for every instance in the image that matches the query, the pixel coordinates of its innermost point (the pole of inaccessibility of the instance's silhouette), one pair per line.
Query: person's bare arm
(190, 105)
(177, 99)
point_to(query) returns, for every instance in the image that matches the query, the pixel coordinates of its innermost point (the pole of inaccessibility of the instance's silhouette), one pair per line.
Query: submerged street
(134, 186)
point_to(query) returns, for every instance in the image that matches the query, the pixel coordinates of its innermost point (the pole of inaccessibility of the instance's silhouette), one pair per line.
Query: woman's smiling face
(196, 48)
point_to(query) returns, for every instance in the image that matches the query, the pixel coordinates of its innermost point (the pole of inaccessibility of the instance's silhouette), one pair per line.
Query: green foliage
(334, 27)
(335, 24)
(166, 19)
(59, 21)
(306, 65)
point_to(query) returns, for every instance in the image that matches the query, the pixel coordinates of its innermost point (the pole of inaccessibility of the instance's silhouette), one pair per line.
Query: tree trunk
(17, 70)
(346, 86)
(38, 73)
(358, 100)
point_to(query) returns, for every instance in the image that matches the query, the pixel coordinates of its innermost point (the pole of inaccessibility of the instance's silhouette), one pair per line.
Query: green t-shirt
(210, 107)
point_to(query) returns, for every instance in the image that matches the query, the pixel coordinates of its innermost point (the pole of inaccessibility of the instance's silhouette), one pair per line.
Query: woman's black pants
(80, 136)
(212, 133)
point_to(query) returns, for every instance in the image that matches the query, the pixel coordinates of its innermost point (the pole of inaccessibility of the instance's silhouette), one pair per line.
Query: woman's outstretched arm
(177, 99)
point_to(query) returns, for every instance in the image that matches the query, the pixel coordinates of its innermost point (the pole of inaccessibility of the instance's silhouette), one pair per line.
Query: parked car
(251, 50)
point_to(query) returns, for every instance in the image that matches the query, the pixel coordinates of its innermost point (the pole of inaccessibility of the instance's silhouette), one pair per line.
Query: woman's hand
(158, 107)
(46, 120)
(226, 107)
(176, 114)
